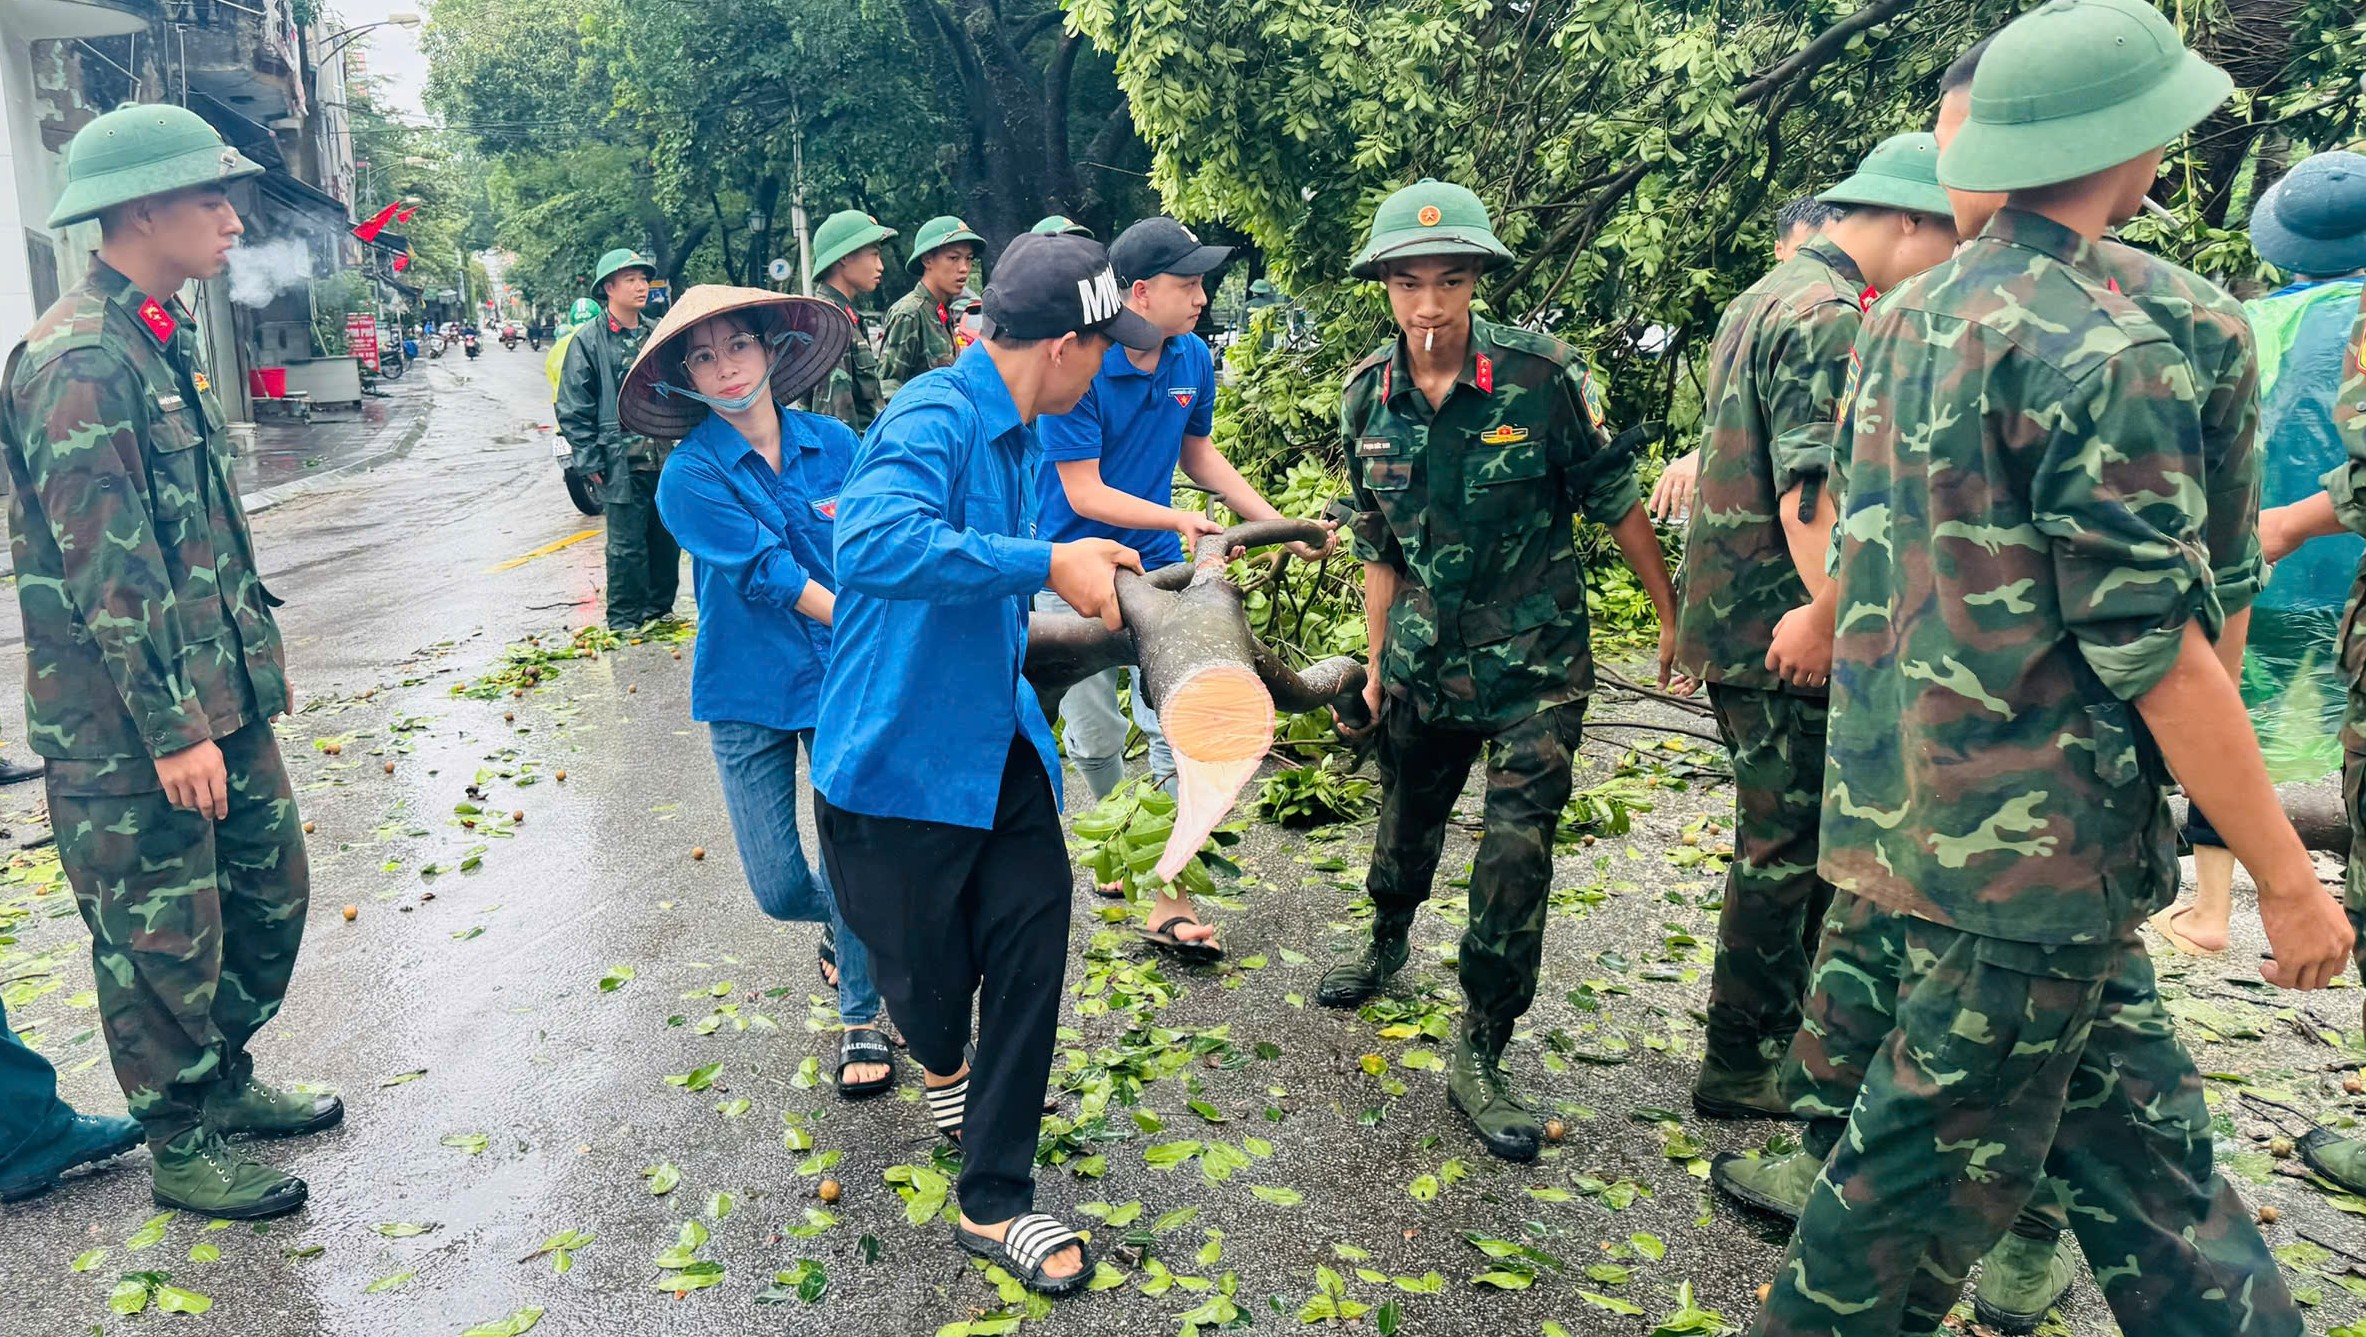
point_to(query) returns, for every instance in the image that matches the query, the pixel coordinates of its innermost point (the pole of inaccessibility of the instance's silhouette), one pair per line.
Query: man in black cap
(1109, 472)
(933, 761)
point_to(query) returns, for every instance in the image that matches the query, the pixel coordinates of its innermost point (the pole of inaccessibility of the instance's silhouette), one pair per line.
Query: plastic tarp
(2291, 668)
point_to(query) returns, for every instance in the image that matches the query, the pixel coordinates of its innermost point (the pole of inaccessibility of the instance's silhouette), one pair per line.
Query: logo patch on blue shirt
(1183, 395)
(826, 508)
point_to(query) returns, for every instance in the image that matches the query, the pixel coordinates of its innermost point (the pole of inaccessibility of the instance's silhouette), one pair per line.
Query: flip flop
(1162, 936)
(826, 955)
(1026, 1246)
(2165, 924)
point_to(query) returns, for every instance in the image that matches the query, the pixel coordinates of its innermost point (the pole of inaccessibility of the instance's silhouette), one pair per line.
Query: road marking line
(544, 551)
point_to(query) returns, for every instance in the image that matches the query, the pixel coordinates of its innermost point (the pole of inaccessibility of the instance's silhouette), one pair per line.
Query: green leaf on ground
(472, 1143)
(85, 1261)
(391, 1281)
(1611, 1303)
(401, 1077)
(1279, 1197)
(616, 978)
(663, 1178)
(698, 1078)
(402, 1230)
(514, 1325)
(150, 1233)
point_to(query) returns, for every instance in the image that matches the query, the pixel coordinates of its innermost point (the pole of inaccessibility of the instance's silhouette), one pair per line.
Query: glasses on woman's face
(738, 348)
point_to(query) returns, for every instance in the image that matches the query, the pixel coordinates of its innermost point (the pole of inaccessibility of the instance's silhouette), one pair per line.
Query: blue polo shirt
(1132, 421)
(754, 538)
(937, 565)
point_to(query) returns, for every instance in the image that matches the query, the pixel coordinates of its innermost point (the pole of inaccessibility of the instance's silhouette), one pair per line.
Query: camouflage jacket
(918, 337)
(2346, 486)
(1775, 377)
(1473, 505)
(2209, 327)
(2021, 548)
(598, 357)
(851, 394)
(147, 629)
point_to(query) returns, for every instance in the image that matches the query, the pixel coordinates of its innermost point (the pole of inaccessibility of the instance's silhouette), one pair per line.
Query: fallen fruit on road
(560, 776)
(829, 1190)
(352, 912)
(1555, 1130)
(698, 851)
(2268, 1215)
(390, 768)
(518, 816)
(308, 828)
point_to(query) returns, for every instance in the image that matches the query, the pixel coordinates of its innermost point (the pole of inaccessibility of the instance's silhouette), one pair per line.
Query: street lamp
(401, 18)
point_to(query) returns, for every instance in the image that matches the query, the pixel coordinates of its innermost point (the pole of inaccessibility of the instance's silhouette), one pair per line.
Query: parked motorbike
(435, 345)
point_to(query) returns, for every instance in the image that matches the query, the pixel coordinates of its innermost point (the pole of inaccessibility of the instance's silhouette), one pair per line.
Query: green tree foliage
(1634, 154)
(686, 129)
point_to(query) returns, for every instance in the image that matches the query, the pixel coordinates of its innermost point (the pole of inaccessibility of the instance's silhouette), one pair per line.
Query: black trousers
(951, 912)
(644, 562)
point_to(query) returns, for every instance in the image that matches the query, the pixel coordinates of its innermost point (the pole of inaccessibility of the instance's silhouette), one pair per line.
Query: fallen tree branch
(1627, 684)
(1655, 728)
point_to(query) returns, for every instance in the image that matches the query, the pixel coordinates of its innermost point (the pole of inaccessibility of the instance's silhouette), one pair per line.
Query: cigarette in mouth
(1429, 341)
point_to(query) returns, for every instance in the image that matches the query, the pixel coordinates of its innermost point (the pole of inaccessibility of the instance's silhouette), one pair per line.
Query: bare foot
(863, 1073)
(1174, 914)
(1066, 1262)
(2185, 928)
(830, 973)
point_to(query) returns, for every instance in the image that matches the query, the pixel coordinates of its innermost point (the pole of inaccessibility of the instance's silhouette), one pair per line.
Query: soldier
(153, 666)
(2340, 507)
(846, 256)
(919, 333)
(1798, 223)
(2026, 1273)
(41, 1137)
(1059, 225)
(1755, 551)
(644, 563)
(2023, 662)
(1475, 446)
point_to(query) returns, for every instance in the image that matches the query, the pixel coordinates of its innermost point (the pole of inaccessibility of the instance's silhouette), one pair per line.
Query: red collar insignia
(1485, 379)
(615, 326)
(1866, 298)
(2113, 285)
(159, 321)
(944, 317)
(1388, 377)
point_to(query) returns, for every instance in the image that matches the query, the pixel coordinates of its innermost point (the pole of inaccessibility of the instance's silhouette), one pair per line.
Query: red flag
(402, 262)
(369, 231)
(405, 215)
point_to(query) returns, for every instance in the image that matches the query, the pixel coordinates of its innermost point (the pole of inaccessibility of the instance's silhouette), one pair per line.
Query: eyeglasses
(738, 348)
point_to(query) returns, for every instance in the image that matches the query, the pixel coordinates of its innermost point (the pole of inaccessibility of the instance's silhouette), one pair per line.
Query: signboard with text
(361, 338)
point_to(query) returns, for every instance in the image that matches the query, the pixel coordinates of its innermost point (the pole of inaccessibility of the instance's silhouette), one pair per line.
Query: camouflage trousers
(194, 924)
(2006, 1064)
(2353, 795)
(1774, 900)
(1422, 769)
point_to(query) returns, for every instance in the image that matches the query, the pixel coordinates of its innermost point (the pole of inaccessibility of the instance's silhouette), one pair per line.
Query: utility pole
(797, 197)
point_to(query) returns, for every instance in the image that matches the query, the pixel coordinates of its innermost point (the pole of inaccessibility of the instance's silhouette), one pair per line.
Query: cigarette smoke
(261, 272)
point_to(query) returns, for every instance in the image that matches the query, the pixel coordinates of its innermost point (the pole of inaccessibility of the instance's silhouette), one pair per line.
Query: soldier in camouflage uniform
(2341, 507)
(153, 666)
(1848, 1013)
(644, 562)
(846, 256)
(1755, 551)
(1473, 449)
(919, 333)
(2022, 655)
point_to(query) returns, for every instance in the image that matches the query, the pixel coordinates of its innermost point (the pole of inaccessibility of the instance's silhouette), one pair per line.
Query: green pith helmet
(145, 149)
(2074, 87)
(1057, 225)
(938, 233)
(1429, 217)
(623, 257)
(842, 234)
(1902, 172)
(583, 310)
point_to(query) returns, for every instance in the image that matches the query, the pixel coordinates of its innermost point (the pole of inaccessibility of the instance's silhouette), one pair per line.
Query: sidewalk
(291, 458)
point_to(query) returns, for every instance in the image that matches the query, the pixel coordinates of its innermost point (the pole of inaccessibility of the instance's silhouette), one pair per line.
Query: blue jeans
(1095, 735)
(31, 1114)
(759, 769)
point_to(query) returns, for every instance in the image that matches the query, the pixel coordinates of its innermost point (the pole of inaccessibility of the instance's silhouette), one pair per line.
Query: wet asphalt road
(407, 579)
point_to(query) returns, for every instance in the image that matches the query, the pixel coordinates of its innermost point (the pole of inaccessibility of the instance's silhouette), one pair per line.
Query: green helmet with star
(1430, 217)
(842, 234)
(140, 150)
(618, 260)
(938, 233)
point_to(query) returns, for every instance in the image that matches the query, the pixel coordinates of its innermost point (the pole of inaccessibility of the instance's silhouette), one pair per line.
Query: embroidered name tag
(1376, 445)
(169, 403)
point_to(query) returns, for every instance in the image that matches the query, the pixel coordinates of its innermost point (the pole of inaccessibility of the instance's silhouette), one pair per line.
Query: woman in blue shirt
(752, 494)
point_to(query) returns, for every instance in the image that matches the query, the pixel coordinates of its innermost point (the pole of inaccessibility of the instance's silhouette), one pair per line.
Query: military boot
(1777, 1185)
(2020, 1279)
(199, 1172)
(2340, 1159)
(244, 1107)
(1737, 1082)
(1477, 1087)
(1351, 982)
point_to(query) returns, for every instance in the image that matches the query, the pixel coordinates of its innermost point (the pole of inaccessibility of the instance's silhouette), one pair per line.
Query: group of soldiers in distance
(1972, 555)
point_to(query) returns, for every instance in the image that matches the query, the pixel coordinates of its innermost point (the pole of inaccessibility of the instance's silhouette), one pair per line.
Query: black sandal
(1023, 1249)
(946, 1106)
(1162, 936)
(827, 955)
(864, 1044)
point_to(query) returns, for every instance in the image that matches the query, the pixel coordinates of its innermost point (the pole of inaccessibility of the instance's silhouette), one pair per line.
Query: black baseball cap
(1161, 245)
(1046, 286)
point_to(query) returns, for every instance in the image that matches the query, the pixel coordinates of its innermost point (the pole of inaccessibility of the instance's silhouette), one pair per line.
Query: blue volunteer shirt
(937, 564)
(1132, 421)
(754, 538)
